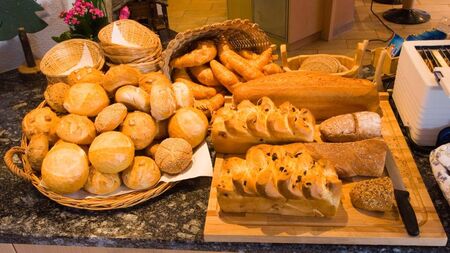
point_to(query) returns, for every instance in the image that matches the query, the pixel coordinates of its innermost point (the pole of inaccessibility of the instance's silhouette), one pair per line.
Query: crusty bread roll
(36, 151)
(86, 99)
(111, 152)
(147, 80)
(142, 174)
(54, 96)
(76, 129)
(65, 168)
(101, 183)
(373, 195)
(189, 124)
(41, 121)
(324, 95)
(86, 75)
(351, 127)
(110, 117)
(183, 95)
(120, 75)
(162, 130)
(134, 98)
(173, 155)
(151, 149)
(162, 101)
(140, 127)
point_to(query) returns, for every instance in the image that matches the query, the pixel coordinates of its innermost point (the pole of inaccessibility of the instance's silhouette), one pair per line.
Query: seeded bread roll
(86, 99)
(86, 75)
(142, 174)
(54, 96)
(101, 183)
(41, 121)
(76, 129)
(173, 155)
(373, 195)
(140, 127)
(37, 149)
(110, 117)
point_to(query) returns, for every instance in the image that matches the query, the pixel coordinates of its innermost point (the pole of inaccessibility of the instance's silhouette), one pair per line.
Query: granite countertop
(174, 220)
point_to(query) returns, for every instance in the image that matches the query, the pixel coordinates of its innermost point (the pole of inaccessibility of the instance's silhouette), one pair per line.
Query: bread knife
(402, 197)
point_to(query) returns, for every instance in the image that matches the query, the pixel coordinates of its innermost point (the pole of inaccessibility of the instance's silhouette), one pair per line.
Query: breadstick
(225, 76)
(272, 68)
(199, 91)
(204, 75)
(205, 52)
(209, 106)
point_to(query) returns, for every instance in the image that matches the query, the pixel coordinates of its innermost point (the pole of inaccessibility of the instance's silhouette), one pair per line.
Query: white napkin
(117, 38)
(440, 165)
(85, 61)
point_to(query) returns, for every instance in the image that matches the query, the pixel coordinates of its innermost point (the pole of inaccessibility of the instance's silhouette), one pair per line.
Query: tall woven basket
(94, 203)
(241, 34)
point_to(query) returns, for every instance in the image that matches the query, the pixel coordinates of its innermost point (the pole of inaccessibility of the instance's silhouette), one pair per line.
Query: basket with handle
(241, 34)
(93, 203)
(353, 65)
(67, 54)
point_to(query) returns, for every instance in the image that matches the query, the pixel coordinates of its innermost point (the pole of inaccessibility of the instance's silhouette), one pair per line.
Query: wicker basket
(242, 34)
(95, 203)
(352, 64)
(66, 55)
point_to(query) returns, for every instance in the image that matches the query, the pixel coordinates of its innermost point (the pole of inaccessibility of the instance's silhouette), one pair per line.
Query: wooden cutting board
(350, 225)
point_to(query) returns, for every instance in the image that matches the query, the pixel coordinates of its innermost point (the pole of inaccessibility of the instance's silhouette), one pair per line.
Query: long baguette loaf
(279, 179)
(324, 95)
(234, 130)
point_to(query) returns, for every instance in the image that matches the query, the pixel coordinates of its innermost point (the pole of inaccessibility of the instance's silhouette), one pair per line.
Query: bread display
(235, 130)
(141, 174)
(351, 127)
(284, 180)
(37, 150)
(86, 75)
(120, 75)
(41, 121)
(140, 127)
(146, 81)
(373, 195)
(86, 99)
(110, 117)
(101, 183)
(163, 103)
(199, 91)
(209, 106)
(183, 95)
(173, 155)
(111, 152)
(76, 129)
(272, 68)
(204, 75)
(54, 96)
(151, 149)
(134, 98)
(225, 76)
(324, 95)
(65, 168)
(189, 124)
(203, 53)
(322, 63)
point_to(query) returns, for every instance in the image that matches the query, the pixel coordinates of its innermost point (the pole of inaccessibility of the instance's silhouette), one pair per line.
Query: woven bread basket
(241, 34)
(94, 203)
(144, 67)
(66, 55)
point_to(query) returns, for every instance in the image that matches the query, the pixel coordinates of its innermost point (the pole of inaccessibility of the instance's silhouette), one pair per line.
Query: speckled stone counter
(174, 220)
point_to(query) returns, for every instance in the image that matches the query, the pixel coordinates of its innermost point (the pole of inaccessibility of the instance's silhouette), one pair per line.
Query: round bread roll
(150, 150)
(183, 95)
(120, 75)
(110, 117)
(111, 152)
(173, 155)
(146, 81)
(65, 168)
(162, 130)
(41, 121)
(189, 124)
(86, 99)
(76, 129)
(37, 149)
(140, 127)
(101, 183)
(54, 96)
(162, 101)
(142, 174)
(86, 75)
(134, 98)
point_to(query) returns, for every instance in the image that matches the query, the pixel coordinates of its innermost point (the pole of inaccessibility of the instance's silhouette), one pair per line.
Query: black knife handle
(407, 212)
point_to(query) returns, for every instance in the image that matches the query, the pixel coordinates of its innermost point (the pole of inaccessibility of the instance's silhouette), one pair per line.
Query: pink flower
(124, 13)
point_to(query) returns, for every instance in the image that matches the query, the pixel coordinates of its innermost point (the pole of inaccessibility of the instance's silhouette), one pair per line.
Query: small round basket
(67, 54)
(241, 34)
(94, 203)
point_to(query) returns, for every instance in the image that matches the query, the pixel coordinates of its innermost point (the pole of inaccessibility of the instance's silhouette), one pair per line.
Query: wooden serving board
(350, 225)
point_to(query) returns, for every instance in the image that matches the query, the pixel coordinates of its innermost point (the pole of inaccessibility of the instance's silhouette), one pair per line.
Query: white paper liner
(85, 61)
(117, 38)
(201, 166)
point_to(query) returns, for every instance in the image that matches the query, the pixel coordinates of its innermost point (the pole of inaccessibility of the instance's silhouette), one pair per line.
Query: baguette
(324, 95)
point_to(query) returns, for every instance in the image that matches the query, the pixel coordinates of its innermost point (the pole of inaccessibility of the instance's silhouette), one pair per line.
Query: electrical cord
(384, 24)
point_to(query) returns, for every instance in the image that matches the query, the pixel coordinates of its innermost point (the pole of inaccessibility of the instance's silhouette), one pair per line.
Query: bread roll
(324, 95)
(142, 174)
(36, 151)
(101, 183)
(151, 149)
(162, 130)
(41, 121)
(162, 101)
(86, 75)
(76, 129)
(173, 155)
(110, 117)
(54, 96)
(86, 99)
(351, 127)
(209, 106)
(373, 195)
(189, 124)
(183, 95)
(204, 75)
(65, 168)
(111, 152)
(203, 53)
(120, 75)
(134, 98)
(140, 127)
(146, 81)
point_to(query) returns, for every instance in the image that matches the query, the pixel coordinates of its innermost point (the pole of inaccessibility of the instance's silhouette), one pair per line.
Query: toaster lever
(442, 76)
